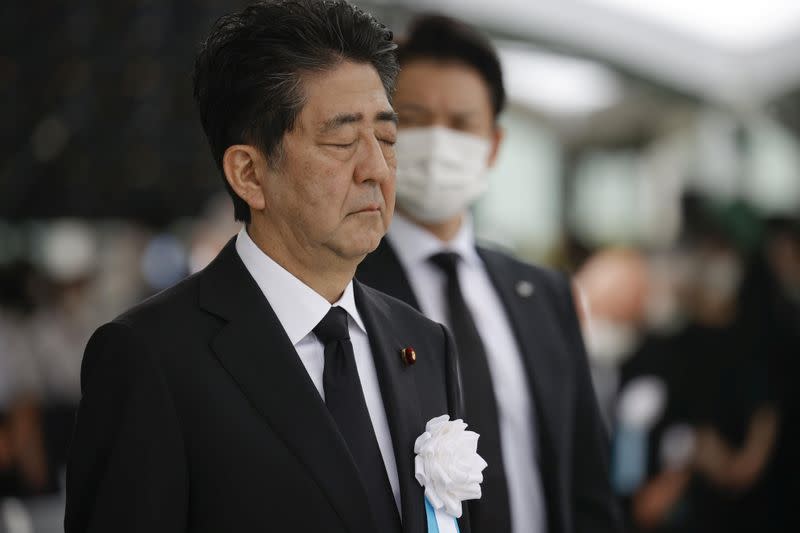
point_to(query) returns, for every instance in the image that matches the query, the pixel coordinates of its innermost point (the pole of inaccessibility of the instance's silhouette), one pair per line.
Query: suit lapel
(400, 399)
(257, 353)
(531, 325)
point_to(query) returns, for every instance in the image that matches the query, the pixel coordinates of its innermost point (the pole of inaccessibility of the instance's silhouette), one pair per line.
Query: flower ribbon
(439, 521)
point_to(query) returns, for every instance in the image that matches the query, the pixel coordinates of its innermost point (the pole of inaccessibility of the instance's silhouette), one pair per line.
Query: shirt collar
(414, 244)
(298, 307)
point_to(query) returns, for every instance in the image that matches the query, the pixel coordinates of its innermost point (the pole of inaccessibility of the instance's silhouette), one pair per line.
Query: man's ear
(497, 137)
(244, 169)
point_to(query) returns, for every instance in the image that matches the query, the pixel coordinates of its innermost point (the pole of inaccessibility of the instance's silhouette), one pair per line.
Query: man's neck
(328, 277)
(445, 231)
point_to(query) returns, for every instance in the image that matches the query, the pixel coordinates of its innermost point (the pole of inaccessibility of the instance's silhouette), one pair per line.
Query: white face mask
(440, 172)
(609, 342)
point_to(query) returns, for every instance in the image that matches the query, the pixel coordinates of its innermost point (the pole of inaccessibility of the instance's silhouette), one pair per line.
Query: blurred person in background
(710, 452)
(771, 298)
(48, 315)
(613, 290)
(67, 253)
(24, 468)
(527, 385)
(271, 391)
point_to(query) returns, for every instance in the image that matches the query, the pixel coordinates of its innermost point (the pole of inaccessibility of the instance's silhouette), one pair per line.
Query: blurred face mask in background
(609, 342)
(440, 172)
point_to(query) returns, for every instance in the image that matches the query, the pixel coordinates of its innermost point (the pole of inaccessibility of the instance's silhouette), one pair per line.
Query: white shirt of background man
(414, 246)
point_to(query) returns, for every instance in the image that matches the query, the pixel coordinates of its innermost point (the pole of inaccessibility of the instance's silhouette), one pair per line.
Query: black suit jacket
(198, 416)
(573, 445)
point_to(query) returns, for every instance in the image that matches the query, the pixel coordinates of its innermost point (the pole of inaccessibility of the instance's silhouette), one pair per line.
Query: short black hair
(247, 76)
(442, 38)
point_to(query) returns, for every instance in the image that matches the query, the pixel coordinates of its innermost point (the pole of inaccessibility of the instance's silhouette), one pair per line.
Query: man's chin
(370, 245)
(360, 246)
(374, 245)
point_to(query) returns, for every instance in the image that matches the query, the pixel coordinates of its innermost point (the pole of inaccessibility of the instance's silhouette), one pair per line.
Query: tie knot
(333, 326)
(447, 261)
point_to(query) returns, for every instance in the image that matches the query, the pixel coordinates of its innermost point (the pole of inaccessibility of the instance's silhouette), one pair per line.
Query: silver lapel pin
(525, 288)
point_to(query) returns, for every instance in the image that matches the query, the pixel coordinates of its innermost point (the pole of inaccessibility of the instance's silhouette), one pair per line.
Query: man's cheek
(388, 191)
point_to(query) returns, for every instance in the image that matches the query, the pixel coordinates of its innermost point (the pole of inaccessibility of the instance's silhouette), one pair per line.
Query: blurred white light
(773, 168)
(521, 210)
(67, 250)
(605, 205)
(642, 402)
(741, 25)
(557, 84)
(14, 516)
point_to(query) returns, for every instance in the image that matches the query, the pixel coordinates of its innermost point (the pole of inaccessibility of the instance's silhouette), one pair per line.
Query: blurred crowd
(59, 280)
(694, 353)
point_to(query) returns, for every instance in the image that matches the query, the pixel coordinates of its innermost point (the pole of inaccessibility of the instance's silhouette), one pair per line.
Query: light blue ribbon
(433, 525)
(629, 463)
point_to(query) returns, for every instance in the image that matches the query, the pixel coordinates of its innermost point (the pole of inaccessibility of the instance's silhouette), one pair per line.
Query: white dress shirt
(299, 309)
(414, 246)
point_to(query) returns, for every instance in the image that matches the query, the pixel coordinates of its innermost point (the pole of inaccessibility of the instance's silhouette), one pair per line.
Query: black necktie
(491, 512)
(345, 401)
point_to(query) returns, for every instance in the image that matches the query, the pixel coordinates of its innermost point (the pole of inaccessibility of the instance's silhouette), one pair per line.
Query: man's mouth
(372, 208)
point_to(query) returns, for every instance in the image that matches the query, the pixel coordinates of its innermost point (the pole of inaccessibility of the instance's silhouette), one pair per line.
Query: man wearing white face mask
(525, 377)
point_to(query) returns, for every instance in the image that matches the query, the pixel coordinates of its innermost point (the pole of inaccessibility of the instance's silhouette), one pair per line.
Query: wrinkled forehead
(349, 93)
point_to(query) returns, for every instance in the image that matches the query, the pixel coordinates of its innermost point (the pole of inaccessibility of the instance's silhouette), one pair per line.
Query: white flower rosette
(447, 464)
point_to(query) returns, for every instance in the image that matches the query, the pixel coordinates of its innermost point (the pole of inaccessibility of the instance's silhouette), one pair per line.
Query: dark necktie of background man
(491, 513)
(345, 400)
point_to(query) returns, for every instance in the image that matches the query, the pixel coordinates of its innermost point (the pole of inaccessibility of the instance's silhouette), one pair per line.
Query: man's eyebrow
(351, 118)
(387, 116)
(341, 120)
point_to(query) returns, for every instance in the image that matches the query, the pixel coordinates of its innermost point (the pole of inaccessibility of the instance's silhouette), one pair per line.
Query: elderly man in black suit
(525, 375)
(271, 392)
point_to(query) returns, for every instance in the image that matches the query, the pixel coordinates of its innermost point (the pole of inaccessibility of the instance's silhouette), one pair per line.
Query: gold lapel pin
(408, 355)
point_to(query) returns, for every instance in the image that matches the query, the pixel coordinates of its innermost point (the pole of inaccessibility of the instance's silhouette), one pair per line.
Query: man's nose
(372, 164)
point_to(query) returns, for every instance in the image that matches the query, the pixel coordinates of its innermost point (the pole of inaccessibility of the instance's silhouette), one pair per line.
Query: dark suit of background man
(526, 383)
(267, 393)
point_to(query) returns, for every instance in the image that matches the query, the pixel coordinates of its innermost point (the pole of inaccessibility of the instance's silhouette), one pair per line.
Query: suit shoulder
(552, 281)
(163, 307)
(551, 286)
(136, 333)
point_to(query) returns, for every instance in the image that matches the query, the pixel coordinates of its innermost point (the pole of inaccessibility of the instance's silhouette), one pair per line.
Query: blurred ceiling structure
(647, 99)
(99, 119)
(740, 54)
